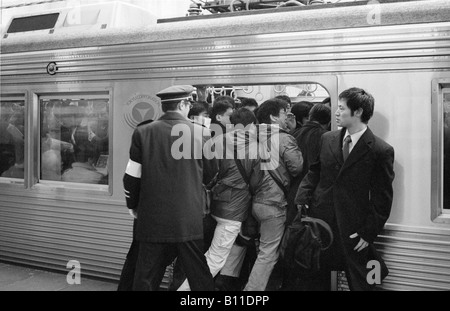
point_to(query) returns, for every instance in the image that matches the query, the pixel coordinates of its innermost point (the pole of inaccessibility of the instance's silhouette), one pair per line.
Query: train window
(30, 23)
(74, 146)
(446, 136)
(12, 136)
(440, 169)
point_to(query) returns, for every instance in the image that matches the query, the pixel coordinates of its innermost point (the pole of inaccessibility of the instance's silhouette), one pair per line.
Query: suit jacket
(170, 200)
(353, 197)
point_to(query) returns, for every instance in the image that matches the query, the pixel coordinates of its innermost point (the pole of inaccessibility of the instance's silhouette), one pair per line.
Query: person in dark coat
(350, 187)
(163, 183)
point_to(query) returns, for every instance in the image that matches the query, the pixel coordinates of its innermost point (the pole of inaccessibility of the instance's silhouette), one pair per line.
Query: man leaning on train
(350, 187)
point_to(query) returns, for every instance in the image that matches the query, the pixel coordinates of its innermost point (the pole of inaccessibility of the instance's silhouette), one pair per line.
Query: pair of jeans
(272, 221)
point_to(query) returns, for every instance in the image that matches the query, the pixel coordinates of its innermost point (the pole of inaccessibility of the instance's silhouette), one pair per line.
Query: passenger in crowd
(269, 201)
(300, 113)
(232, 196)
(83, 170)
(169, 210)
(199, 114)
(222, 109)
(350, 188)
(248, 103)
(308, 139)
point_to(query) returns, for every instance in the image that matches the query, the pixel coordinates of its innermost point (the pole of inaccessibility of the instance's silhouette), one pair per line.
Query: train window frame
(63, 187)
(22, 96)
(438, 213)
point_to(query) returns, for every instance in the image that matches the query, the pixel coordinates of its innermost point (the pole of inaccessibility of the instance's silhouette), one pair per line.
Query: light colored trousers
(225, 234)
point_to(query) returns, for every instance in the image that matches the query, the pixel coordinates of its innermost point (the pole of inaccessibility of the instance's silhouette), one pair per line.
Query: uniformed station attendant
(165, 195)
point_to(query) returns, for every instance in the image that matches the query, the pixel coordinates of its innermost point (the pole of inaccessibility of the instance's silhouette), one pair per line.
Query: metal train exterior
(403, 60)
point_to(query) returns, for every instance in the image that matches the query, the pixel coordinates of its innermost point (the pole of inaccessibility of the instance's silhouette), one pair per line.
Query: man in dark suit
(163, 185)
(350, 187)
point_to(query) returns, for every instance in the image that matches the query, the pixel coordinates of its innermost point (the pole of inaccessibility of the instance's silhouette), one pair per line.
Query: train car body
(398, 51)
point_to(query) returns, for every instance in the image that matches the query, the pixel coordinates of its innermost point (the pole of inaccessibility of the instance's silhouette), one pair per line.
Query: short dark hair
(320, 113)
(170, 106)
(220, 106)
(197, 109)
(83, 149)
(243, 116)
(270, 107)
(285, 98)
(248, 102)
(357, 98)
(326, 101)
(301, 110)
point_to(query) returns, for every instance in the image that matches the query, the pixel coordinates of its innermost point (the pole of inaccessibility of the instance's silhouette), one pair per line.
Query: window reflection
(446, 106)
(74, 140)
(12, 140)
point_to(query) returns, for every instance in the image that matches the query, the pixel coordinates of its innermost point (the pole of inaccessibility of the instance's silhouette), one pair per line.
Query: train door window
(440, 187)
(12, 136)
(74, 140)
(446, 136)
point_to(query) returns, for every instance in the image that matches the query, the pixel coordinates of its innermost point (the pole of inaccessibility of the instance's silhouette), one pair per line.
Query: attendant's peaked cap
(176, 93)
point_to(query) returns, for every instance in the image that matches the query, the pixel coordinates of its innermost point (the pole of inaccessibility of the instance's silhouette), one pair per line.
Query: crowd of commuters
(275, 158)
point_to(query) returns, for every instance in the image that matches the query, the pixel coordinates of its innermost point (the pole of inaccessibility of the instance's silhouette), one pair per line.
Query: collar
(356, 136)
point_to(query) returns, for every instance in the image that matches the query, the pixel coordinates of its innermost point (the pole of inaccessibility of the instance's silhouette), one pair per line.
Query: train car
(58, 82)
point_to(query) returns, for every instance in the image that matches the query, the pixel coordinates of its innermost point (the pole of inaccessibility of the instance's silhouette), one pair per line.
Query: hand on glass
(361, 245)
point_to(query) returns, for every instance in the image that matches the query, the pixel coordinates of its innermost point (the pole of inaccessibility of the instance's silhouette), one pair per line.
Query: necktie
(346, 149)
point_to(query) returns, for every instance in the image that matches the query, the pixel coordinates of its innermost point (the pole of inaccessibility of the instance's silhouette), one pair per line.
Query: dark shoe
(225, 283)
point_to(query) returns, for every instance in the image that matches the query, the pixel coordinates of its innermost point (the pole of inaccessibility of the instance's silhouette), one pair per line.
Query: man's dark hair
(83, 149)
(357, 98)
(301, 110)
(170, 106)
(285, 98)
(243, 116)
(197, 109)
(327, 101)
(248, 102)
(220, 106)
(270, 107)
(320, 113)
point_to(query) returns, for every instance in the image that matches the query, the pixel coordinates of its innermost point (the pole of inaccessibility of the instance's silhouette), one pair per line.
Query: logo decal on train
(141, 108)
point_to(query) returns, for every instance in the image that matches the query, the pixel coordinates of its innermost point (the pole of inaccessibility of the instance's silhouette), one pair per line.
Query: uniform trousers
(155, 257)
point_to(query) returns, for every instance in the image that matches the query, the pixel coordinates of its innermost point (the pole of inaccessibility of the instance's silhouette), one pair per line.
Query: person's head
(321, 114)
(286, 99)
(243, 116)
(222, 109)
(177, 98)
(249, 103)
(273, 111)
(301, 111)
(84, 149)
(327, 101)
(355, 106)
(199, 114)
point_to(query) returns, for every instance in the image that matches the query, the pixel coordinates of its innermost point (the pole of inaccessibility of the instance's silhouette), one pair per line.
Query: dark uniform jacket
(168, 193)
(353, 197)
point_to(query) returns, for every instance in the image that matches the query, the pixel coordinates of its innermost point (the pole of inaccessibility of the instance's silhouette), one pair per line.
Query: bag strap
(242, 169)
(319, 222)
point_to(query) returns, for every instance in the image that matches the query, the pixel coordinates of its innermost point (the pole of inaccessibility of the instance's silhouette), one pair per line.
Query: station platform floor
(21, 278)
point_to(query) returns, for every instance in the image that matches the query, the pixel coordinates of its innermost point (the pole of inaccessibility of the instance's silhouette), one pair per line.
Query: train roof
(295, 20)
